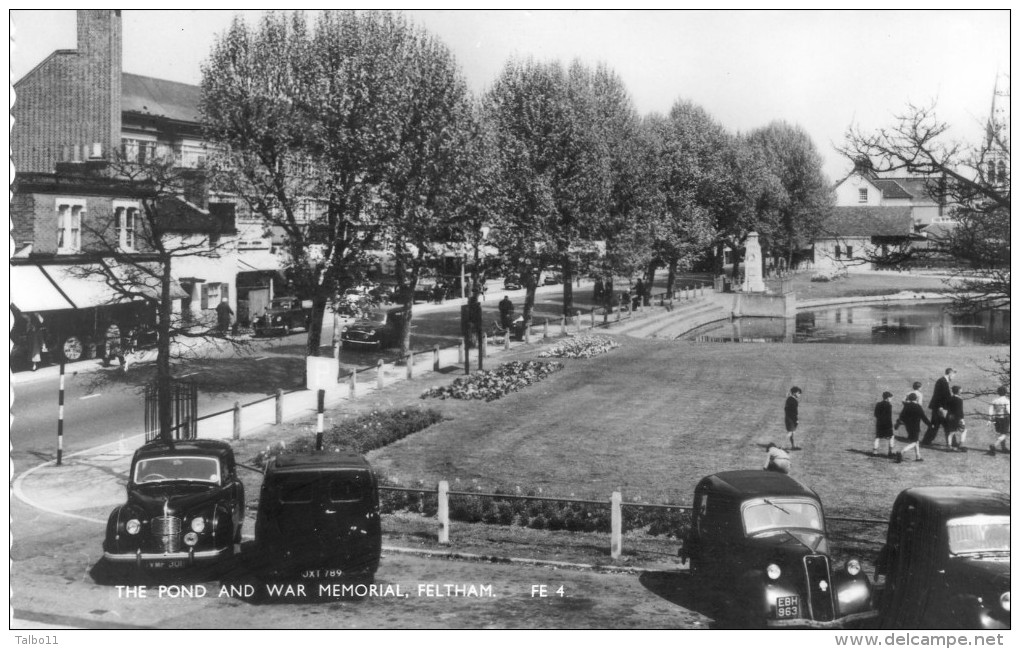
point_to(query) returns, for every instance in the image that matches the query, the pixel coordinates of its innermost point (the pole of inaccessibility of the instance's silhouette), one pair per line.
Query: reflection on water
(882, 324)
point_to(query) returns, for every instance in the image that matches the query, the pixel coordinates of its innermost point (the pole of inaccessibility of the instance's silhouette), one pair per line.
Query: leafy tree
(804, 197)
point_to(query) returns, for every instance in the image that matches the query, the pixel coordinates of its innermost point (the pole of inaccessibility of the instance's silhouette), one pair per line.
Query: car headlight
(278, 319)
(190, 538)
(853, 567)
(198, 524)
(1004, 601)
(773, 571)
(133, 526)
(343, 330)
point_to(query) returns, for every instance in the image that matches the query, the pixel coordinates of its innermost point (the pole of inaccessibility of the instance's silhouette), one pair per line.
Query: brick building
(76, 111)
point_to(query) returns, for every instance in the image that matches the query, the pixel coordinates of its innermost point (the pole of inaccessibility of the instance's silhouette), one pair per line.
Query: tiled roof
(868, 221)
(891, 188)
(916, 187)
(159, 97)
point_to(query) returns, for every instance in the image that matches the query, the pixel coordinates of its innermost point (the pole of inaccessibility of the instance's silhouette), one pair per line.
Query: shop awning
(40, 287)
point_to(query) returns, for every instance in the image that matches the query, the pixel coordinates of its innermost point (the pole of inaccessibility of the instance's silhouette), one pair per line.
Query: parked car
(758, 541)
(185, 507)
(945, 562)
(552, 276)
(318, 518)
(283, 315)
(512, 283)
(377, 329)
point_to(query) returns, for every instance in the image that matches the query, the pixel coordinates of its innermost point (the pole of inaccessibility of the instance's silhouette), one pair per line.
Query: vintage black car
(512, 282)
(318, 518)
(758, 542)
(375, 329)
(282, 316)
(185, 506)
(945, 563)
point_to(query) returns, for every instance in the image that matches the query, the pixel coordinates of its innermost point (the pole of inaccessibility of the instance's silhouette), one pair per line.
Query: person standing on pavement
(506, 312)
(114, 345)
(884, 424)
(955, 425)
(939, 403)
(639, 292)
(792, 415)
(34, 334)
(998, 417)
(910, 418)
(223, 315)
(777, 459)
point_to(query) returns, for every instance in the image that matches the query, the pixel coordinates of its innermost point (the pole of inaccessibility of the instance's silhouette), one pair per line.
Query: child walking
(910, 418)
(884, 424)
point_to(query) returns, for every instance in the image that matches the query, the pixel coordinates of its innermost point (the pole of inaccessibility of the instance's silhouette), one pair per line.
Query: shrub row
(581, 347)
(493, 384)
(361, 434)
(536, 514)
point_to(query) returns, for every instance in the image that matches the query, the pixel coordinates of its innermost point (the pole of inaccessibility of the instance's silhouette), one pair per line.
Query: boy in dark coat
(910, 418)
(791, 416)
(956, 427)
(884, 423)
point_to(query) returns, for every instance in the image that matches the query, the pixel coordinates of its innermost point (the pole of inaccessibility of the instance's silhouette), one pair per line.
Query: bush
(581, 347)
(493, 384)
(361, 434)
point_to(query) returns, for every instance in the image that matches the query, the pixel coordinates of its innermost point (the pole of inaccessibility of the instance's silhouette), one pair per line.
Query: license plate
(787, 607)
(322, 573)
(161, 564)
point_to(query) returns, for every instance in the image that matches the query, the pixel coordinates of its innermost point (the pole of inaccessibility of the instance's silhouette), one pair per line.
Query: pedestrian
(916, 391)
(792, 416)
(777, 459)
(597, 291)
(625, 300)
(910, 418)
(223, 315)
(639, 292)
(34, 333)
(438, 292)
(506, 312)
(939, 404)
(114, 346)
(955, 425)
(884, 424)
(998, 417)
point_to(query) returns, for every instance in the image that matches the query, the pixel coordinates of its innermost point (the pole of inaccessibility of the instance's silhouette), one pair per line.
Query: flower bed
(361, 434)
(490, 385)
(581, 347)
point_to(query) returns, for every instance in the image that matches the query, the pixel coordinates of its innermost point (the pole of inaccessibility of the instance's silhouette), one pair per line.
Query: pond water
(914, 323)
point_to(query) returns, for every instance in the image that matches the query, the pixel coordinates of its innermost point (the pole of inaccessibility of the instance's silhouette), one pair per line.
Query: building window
(127, 224)
(140, 151)
(213, 293)
(69, 214)
(862, 195)
(849, 252)
(1001, 176)
(991, 172)
(837, 251)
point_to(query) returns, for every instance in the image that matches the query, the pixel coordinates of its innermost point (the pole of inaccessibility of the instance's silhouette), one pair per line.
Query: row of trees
(371, 116)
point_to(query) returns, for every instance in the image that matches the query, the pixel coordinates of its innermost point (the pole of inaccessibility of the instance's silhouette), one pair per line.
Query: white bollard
(616, 525)
(443, 512)
(354, 384)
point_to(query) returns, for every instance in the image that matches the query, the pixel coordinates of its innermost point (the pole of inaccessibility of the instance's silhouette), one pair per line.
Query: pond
(913, 323)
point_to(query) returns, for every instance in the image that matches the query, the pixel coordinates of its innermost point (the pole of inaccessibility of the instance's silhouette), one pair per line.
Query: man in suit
(791, 415)
(941, 395)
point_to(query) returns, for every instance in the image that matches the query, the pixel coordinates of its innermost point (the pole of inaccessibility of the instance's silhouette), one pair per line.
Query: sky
(821, 70)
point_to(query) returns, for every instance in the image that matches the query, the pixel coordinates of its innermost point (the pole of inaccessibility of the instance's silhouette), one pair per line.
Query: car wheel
(73, 349)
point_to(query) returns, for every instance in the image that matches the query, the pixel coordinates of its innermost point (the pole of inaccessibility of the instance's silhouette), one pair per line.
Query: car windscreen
(978, 534)
(376, 316)
(781, 513)
(161, 469)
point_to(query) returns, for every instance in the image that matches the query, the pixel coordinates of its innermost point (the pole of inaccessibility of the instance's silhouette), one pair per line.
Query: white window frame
(862, 194)
(69, 224)
(127, 237)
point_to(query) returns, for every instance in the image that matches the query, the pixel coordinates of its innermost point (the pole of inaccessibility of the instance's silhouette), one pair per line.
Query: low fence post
(237, 420)
(460, 352)
(619, 313)
(354, 383)
(577, 321)
(545, 329)
(410, 365)
(443, 512)
(527, 334)
(320, 409)
(435, 358)
(506, 340)
(616, 525)
(563, 325)
(279, 407)
(380, 376)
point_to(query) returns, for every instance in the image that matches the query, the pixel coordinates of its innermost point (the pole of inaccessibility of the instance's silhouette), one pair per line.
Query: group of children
(946, 408)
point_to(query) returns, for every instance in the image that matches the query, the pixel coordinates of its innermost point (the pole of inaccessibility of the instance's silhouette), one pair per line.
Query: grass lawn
(651, 418)
(863, 284)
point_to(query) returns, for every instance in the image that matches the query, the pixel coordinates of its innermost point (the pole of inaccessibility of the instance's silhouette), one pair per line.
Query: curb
(486, 558)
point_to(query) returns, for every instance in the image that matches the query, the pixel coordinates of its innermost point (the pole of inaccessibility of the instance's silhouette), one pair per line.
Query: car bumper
(189, 558)
(838, 623)
(362, 343)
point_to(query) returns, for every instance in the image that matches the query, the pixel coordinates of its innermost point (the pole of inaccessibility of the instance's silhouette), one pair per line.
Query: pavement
(89, 483)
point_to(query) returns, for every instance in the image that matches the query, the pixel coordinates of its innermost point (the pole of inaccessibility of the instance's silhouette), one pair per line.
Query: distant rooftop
(159, 97)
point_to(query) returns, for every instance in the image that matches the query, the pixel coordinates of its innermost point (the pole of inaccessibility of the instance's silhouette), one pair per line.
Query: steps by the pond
(666, 323)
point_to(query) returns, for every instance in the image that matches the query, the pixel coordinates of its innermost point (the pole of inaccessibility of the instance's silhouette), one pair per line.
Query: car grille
(359, 335)
(819, 587)
(166, 532)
